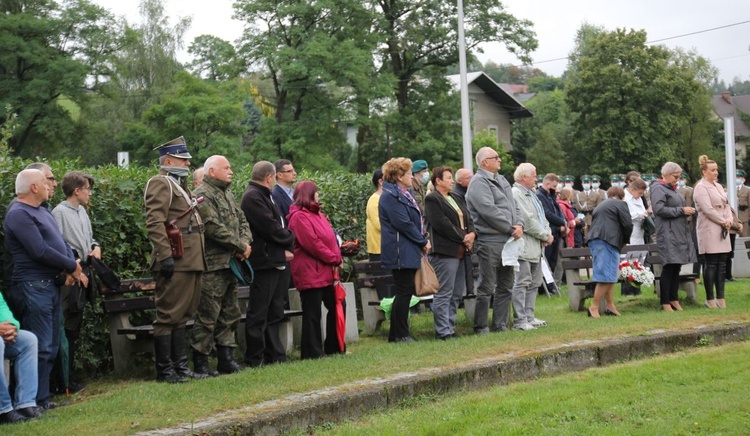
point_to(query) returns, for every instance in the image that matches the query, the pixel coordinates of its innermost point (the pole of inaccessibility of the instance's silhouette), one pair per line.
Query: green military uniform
(166, 197)
(743, 204)
(227, 233)
(587, 200)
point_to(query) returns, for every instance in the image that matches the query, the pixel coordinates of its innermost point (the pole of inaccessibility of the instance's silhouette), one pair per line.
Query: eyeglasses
(51, 179)
(88, 188)
(493, 157)
(287, 171)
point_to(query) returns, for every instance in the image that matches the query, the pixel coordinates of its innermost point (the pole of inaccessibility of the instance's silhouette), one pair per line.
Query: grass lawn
(123, 406)
(699, 391)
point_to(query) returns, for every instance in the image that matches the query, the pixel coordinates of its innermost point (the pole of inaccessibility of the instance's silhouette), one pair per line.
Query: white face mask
(740, 181)
(569, 185)
(681, 183)
(586, 186)
(425, 177)
(622, 184)
(595, 185)
(559, 186)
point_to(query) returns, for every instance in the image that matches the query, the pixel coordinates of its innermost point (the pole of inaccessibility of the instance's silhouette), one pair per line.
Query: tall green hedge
(118, 220)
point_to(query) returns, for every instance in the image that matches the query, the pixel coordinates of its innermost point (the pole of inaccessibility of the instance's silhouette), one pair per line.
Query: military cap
(175, 148)
(540, 178)
(647, 177)
(418, 166)
(569, 178)
(596, 178)
(615, 177)
(585, 178)
(741, 173)
(685, 176)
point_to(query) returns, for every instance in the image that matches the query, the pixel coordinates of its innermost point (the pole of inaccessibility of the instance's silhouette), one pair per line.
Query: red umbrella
(340, 294)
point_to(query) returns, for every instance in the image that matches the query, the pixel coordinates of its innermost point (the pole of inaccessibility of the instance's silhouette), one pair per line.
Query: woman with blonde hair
(715, 219)
(402, 242)
(674, 242)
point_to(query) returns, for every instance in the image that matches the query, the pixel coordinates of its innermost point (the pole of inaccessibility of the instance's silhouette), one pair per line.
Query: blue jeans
(24, 354)
(39, 306)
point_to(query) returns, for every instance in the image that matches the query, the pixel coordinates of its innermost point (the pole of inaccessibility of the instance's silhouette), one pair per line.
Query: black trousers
(404, 281)
(714, 274)
(265, 312)
(670, 282)
(312, 346)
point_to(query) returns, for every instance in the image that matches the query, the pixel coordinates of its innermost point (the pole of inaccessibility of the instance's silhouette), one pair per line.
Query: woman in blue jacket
(402, 241)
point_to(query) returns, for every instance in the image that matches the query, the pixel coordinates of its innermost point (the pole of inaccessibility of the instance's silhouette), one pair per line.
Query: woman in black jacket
(452, 237)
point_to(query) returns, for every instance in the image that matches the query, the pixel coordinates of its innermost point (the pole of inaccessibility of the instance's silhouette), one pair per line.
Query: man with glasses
(282, 192)
(75, 226)
(42, 261)
(497, 220)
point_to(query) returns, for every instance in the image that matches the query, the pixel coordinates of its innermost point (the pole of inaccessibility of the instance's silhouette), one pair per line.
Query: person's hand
(578, 221)
(8, 331)
(83, 280)
(550, 239)
(469, 240)
(688, 210)
(517, 231)
(289, 255)
(166, 268)
(78, 271)
(69, 280)
(96, 252)
(427, 247)
(248, 250)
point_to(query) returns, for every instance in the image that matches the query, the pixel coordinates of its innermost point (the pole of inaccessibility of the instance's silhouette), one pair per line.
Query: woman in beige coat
(714, 222)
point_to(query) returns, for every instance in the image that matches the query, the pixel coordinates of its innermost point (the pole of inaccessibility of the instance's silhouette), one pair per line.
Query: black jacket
(611, 223)
(551, 211)
(283, 202)
(446, 234)
(270, 235)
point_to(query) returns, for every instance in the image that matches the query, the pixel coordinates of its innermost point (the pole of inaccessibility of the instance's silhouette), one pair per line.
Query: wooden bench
(576, 259)
(128, 339)
(370, 277)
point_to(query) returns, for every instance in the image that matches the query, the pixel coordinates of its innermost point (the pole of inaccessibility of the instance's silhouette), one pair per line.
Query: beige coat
(713, 210)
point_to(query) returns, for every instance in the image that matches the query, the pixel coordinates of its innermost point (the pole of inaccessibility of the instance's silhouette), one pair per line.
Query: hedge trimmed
(118, 220)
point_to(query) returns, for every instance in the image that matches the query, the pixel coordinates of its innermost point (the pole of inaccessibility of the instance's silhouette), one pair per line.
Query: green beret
(418, 166)
(741, 173)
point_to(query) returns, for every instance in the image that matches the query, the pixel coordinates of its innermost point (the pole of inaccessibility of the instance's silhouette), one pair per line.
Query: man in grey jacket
(496, 220)
(536, 234)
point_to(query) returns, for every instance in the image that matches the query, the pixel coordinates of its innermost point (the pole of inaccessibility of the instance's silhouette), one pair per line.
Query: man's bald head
(463, 176)
(31, 187)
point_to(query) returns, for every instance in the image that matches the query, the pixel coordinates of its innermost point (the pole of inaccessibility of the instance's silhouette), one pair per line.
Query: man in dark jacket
(282, 192)
(272, 247)
(555, 217)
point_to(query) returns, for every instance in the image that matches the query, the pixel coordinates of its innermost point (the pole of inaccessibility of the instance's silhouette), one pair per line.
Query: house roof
(503, 97)
(726, 105)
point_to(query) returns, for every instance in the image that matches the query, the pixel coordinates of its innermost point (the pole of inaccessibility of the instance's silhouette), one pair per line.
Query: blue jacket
(552, 211)
(401, 230)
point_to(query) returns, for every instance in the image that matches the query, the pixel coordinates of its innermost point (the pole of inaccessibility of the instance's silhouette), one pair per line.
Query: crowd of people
(202, 236)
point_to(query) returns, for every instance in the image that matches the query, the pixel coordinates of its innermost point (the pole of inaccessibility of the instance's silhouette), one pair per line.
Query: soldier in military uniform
(178, 279)
(743, 203)
(589, 198)
(569, 182)
(227, 234)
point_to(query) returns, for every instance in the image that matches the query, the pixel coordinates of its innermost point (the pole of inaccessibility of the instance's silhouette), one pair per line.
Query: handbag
(649, 226)
(425, 280)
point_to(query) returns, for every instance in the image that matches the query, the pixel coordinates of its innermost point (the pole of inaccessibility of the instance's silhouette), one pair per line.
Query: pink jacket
(567, 210)
(316, 250)
(713, 210)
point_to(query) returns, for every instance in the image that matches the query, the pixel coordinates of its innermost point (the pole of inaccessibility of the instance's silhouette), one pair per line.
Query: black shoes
(12, 417)
(201, 366)
(30, 412)
(405, 339)
(227, 364)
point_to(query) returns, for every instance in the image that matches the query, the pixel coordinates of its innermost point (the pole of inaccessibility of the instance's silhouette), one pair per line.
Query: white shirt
(637, 212)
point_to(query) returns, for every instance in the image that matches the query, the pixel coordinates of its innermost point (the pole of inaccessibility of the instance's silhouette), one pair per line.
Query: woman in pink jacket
(714, 222)
(316, 255)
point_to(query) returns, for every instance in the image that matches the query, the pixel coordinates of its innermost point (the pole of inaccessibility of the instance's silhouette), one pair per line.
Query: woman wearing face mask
(675, 245)
(715, 219)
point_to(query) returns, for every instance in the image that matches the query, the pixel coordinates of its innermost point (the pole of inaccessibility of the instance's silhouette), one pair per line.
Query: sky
(555, 23)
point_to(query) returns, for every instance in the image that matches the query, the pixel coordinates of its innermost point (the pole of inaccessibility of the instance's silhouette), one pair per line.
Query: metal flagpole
(465, 117)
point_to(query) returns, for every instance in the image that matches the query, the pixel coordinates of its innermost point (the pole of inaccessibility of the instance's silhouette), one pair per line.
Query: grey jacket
(536, 230)
(492, 207)
(75, 226)
(672, 232)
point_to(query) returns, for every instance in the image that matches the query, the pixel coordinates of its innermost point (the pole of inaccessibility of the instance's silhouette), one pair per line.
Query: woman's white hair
(670, 168)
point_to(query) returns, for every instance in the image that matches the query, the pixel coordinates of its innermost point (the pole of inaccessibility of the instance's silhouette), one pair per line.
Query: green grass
(125, 406)
(700, 391)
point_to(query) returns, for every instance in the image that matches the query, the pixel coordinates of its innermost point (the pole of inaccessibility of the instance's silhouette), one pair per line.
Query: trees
(47, 52)
(631, 102)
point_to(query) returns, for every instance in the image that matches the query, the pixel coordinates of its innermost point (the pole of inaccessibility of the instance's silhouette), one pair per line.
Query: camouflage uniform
(226, 232)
